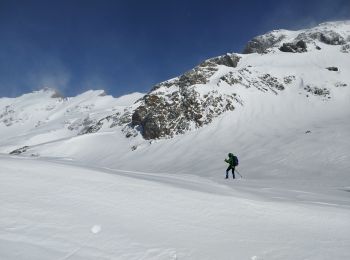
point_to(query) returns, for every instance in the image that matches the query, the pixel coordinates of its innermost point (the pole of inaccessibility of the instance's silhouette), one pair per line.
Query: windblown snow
(75, 187)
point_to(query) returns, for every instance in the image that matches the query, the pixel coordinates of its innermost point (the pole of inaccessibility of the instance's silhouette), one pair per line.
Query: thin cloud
(294, 16)
(93, 82)
(49, 72)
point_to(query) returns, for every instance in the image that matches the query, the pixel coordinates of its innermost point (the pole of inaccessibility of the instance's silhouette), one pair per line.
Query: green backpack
(235, 160)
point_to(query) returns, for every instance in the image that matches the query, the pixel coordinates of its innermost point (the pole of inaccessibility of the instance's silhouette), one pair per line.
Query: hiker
(233, 162)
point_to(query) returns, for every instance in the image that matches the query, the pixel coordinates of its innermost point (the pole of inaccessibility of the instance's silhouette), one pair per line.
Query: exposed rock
(195, 76)
(231, 79)
(330, 37)
(130, 131)
(79, 108)
(332, 68)
(262, 43)
(158, 117)
(327, 37)
(229, 60)
(20, 150)
(288, 79)
(299, 46)
(202, 73)
(345, 48)
(92, 127)
(117, 119)
(8, 116)
(340, 85)
(323, 33)
(164, 113)
(272, 82)
(317, 91)
(263, 82)
(81, 123)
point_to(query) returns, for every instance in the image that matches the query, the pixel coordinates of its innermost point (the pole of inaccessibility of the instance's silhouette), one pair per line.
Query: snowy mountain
(156, 159)
(45, 116)
(312, 63)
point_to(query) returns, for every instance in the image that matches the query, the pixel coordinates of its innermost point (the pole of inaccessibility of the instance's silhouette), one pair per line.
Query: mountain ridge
(314, 69)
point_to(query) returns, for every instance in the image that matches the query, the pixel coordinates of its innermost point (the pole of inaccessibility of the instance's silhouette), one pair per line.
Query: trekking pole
(239, 174)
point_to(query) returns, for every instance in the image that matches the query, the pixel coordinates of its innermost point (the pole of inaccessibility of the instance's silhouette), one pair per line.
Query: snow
(37, 118)
(54, 210)
(105, 196)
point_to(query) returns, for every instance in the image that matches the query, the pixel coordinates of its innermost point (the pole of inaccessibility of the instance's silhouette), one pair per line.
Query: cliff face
(178, 105)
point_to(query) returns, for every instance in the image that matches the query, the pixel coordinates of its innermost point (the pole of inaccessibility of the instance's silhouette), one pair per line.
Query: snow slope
(44, 116)
(56, 211)
(101, 195)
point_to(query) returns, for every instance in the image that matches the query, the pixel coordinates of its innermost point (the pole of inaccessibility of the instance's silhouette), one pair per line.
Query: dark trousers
(233, 171)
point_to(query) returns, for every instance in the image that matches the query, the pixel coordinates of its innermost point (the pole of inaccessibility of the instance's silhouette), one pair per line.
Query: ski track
(239, 187)
(157, 216)
(243, 188)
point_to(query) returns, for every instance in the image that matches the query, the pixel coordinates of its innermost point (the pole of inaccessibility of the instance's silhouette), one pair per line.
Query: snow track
(53, 210)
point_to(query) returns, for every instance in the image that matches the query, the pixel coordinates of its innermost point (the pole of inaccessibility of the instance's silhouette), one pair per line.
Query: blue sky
(128, 46)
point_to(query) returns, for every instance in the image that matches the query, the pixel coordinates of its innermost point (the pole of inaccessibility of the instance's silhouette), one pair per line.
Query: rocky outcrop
(340, 85)
(325, 33)
(7, 115)
(228, 60)
(345, 48)
(318, 91)
(19, 150)
(261, 44)
(325, 36)
(79, 123)
(328, 37)
(117, 119)
(332, 68)
(253, 79)
(299, 46)
(202, 73)
(166, 113)
(165, 116)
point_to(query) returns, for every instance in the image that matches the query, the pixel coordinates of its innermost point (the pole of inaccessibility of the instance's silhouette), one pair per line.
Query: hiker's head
(230, 155)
